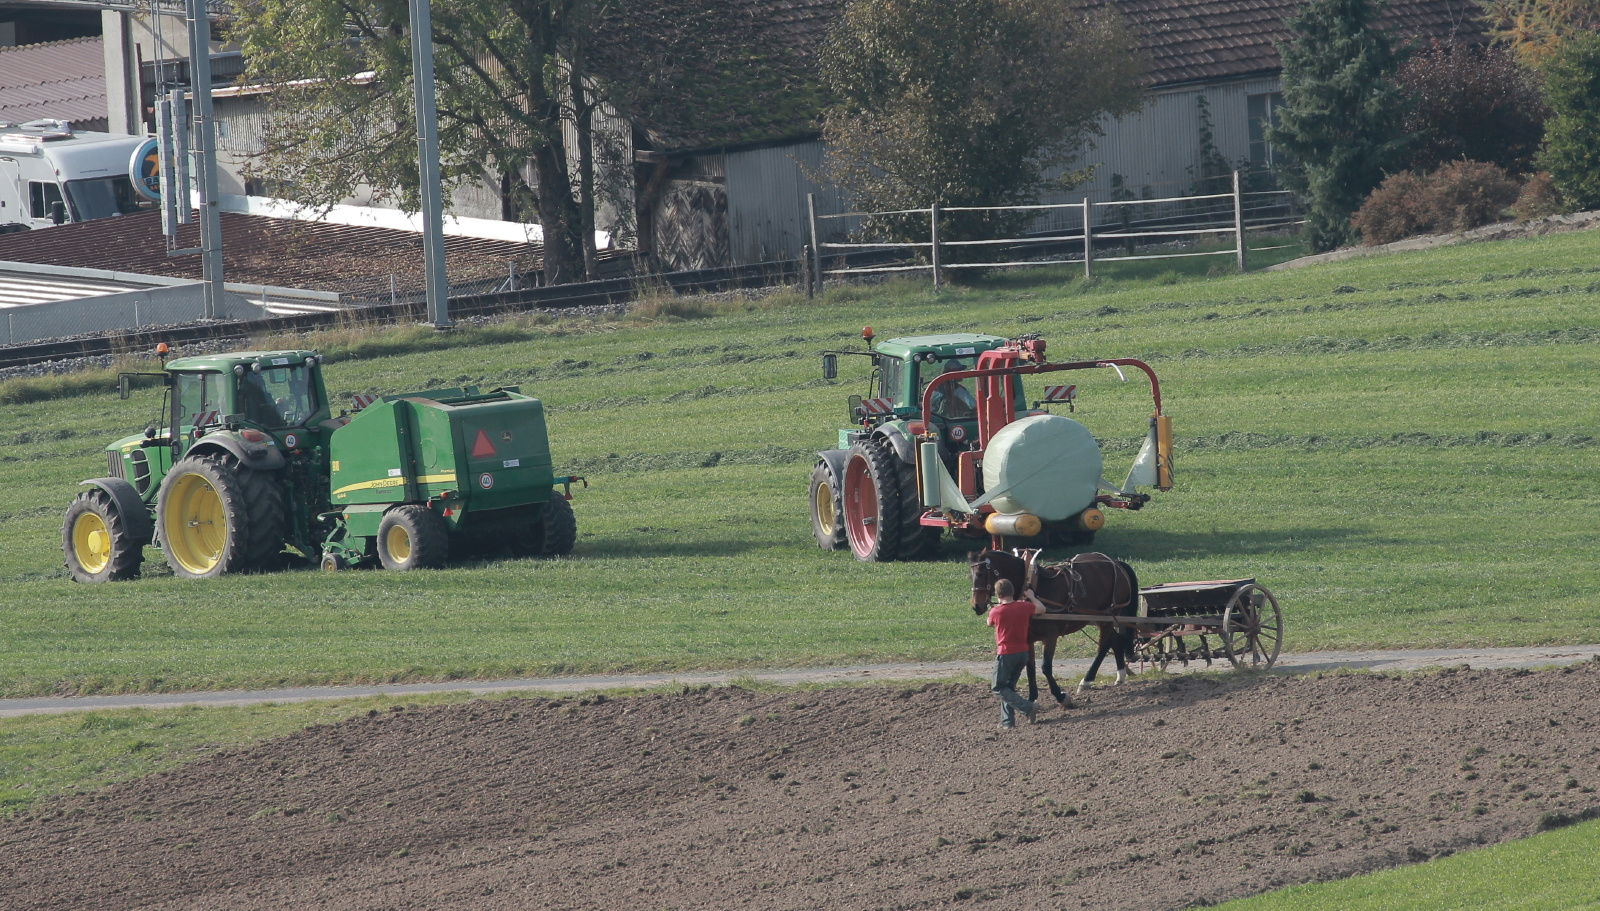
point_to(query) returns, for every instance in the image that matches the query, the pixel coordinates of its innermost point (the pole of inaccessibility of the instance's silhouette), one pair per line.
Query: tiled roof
(774, 93)
(1205, 40)
(61, 80)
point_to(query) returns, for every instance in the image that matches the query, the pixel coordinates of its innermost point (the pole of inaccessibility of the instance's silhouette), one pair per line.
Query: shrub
(1571, 151)
(1471, 103)
(1538, 198)
(1395, 210)
(1457, 197)
(1465, 194)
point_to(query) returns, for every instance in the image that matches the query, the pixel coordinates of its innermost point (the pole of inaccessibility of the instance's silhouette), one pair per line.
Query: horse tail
(1126, 634)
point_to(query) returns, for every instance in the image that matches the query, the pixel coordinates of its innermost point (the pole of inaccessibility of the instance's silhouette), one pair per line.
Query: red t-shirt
(1010, 622)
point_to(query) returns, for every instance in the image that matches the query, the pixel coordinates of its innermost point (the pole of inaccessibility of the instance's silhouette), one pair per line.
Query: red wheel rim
(860, 507)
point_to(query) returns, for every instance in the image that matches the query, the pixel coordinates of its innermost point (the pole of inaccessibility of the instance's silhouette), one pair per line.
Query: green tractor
(246, 458)
(945, 438)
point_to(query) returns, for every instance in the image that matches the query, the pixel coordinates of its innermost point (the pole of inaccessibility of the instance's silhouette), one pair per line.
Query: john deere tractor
(246, 466)
(945, 438)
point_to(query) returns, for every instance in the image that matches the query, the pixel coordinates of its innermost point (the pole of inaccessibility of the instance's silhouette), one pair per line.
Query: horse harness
(1077, 587)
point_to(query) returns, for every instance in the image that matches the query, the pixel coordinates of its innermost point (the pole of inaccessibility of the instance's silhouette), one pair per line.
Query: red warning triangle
(481, 447)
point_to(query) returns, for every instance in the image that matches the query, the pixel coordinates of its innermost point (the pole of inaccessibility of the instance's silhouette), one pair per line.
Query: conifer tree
(1571, 150)
(1340, 122)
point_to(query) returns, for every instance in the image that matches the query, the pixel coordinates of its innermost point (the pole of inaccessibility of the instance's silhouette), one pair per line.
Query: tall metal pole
(428, 155)
(206, 147)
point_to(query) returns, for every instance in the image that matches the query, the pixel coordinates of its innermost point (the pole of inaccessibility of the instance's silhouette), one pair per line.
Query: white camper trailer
(50, 175)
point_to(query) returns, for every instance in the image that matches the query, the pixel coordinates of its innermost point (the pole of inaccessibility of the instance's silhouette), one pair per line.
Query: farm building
(721, 168)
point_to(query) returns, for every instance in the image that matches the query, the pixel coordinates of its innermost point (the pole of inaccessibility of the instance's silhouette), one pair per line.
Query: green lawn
(1555, 871)
(1403, 448)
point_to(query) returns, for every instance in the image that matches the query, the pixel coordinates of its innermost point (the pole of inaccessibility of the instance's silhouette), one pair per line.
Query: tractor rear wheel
(871, 500)
(412, 537)
(95, 539)
(917, 541)
(560, 526)
(217, 517)
(826, 511)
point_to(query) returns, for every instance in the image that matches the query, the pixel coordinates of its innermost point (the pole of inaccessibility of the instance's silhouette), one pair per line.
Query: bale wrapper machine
(950, 441)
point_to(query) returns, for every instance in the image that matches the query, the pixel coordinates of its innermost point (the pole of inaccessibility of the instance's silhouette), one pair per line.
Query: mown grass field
(1401, 447)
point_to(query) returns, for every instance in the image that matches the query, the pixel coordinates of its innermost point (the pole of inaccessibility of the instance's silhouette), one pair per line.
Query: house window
(1262, 110)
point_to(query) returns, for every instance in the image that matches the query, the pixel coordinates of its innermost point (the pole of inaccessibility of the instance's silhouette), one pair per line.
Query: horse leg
(1099, 656)
(1050, 676)
(1033, 684)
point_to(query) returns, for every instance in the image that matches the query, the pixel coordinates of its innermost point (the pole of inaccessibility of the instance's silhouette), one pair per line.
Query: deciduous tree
(968, 102)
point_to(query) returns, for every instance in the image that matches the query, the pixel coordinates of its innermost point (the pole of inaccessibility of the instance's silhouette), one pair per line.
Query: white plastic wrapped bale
(1045, 465)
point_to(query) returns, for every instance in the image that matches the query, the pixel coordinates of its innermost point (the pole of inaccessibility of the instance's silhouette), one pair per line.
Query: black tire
(827, 524)
(252, 509)
(917, 541)
(412, 537)
(1070, 537)
(870, 493)
(104, 551)
(560, 527)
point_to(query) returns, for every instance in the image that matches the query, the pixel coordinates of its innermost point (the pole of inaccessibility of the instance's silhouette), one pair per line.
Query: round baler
(246, 466)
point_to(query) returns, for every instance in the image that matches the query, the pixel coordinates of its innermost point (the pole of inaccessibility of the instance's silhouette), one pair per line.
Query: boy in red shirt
(1010, 621)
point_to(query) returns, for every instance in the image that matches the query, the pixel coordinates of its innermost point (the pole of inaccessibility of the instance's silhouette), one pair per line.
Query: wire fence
(1078, 233)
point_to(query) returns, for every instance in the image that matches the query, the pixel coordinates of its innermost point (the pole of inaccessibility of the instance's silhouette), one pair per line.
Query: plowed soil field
(1159, 794)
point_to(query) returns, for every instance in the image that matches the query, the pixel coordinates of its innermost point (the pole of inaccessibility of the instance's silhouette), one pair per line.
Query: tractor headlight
(238, 370)
(256, 367)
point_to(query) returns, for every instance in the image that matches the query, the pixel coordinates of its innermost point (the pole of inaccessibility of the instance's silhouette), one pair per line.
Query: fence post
(1088, 239)
(1238, 222)
(805, 270)
(933, 235)
(816, 243)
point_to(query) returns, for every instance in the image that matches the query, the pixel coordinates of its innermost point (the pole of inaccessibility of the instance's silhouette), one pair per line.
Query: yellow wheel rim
(398, 543)
(825, 517)
(195, 524)
(91, 543)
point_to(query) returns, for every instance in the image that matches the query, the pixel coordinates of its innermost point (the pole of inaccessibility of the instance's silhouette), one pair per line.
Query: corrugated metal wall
(767, 201)
(1156, 152)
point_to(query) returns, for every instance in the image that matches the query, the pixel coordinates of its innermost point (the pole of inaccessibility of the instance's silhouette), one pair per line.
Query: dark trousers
(1007, 668)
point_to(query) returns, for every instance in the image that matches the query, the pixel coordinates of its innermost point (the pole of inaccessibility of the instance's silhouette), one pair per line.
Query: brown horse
(1089, 583)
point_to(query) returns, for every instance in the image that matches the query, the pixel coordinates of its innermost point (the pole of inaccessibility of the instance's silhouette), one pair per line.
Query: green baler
(246, 460)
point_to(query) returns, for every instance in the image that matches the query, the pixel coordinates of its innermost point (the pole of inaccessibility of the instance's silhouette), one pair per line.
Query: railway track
(560, 297)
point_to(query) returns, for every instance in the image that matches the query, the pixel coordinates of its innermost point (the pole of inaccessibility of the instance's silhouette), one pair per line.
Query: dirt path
(1161, 794)
(1377, 660)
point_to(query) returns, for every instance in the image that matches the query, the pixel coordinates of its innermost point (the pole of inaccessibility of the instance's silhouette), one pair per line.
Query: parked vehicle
(246, 458)
(945, 438)
(52, 175)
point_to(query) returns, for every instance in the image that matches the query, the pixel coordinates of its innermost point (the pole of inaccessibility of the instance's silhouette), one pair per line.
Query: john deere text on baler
(945, 439)
(246, 458)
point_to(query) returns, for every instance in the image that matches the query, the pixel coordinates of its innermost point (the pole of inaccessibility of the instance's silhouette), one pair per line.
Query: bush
(1471, 103)
(1457, 197)
(1571, 150)
(1395, 210)
(1538, 198)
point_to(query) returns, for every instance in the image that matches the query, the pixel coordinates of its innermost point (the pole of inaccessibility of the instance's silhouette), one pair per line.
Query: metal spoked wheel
(1252, 628)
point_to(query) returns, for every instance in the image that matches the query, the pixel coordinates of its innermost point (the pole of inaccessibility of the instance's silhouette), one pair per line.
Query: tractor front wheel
(218, 517)
(560, 526)
(871, 501)
(412, 537)
(95, 539)
(826, 510)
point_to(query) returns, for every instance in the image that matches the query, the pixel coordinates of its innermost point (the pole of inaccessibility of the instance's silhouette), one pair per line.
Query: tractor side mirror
(855, 408)
(123, 386)
(830, 366)
(58, 213)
